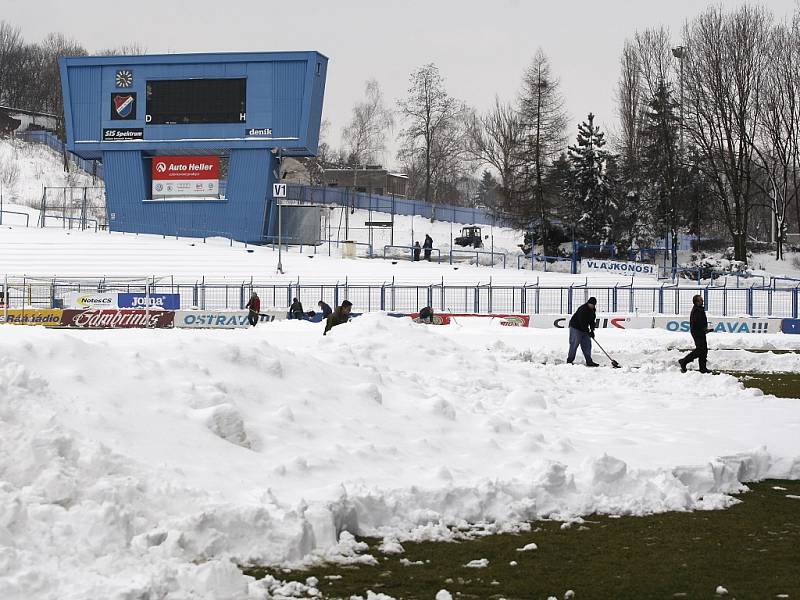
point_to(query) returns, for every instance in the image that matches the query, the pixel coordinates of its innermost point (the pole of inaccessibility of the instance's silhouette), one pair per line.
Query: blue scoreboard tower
(169, 127)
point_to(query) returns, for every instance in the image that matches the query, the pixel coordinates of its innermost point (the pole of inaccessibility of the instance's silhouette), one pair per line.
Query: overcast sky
(481, 47)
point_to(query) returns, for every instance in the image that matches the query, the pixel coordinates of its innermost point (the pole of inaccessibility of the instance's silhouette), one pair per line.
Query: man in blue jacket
(698, 327)
(581, 331)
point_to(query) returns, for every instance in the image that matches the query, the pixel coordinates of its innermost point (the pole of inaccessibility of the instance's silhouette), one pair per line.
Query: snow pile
(709, 266)
(138, 464)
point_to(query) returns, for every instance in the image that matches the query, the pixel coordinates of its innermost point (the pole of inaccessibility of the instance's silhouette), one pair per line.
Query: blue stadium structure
(168, 127)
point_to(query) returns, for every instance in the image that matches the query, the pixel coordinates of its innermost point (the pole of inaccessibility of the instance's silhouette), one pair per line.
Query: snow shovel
(614, 363)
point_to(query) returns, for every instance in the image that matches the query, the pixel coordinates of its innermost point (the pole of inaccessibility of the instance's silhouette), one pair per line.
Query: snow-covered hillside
(26, 168)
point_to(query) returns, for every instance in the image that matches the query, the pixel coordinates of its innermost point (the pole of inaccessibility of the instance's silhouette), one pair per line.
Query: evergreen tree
(591, 190)
(487, 191)
(661, 165)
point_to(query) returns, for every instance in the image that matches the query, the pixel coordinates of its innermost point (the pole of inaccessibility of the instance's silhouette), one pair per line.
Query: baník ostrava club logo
(123, 106)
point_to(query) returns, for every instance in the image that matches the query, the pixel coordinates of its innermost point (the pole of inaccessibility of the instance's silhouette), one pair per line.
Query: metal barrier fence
(92, 167)
(478, 254)
(526, 299)
(393, 205)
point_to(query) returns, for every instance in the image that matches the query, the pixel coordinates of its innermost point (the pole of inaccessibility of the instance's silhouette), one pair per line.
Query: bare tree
(497, 139)
(725, 70)
(11, 46)
(129, 49)
(435, 124)
(365, 135)
(631, 104)
(777, 141)
(655, 59)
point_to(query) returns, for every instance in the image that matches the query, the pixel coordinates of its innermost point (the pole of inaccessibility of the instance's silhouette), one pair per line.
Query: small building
(27, 120)
(371, 179)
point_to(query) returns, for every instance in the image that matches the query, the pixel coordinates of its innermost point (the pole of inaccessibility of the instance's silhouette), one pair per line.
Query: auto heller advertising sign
(177, 177)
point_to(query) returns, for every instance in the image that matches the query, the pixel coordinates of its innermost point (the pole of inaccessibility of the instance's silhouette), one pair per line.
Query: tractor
(470, 236)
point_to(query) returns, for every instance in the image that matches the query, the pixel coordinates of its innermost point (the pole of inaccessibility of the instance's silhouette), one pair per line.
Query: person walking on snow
(296, 310)
(698, 327)
(339, 316)
(417, 250)
(254, 306)
(581, 332)
(428, 244)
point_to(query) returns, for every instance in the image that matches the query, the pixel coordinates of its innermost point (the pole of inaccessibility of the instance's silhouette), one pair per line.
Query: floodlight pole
(280, 215)
(680, 54)
(280, 232)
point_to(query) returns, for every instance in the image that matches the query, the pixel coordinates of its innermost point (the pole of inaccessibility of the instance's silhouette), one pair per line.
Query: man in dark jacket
(254, 307)
(698, 326)
(581, 332)
(325, 308)
(417, 250)
(339, 316)
(296, 310)
(426, 315)
(428, 244)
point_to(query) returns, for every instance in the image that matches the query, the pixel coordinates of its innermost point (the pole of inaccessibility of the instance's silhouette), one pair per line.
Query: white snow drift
(148, 464)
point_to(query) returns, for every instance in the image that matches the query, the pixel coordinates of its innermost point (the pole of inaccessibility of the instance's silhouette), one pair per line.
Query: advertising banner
(123, 318)
(618, 268)
(437, 319)
(219, 319)
(32, 316)
(506, 320)
(790, 326)
(142, 300)
(601, 322)
(185, 177)
(724, 325)
(90, 300)
(514, 320)
(268, 315)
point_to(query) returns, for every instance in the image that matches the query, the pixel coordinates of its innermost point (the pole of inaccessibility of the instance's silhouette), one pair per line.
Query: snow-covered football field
(147, 464)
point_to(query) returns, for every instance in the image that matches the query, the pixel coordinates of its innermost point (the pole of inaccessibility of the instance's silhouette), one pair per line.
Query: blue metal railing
(50, 139)
(668, 300)
(393, 205)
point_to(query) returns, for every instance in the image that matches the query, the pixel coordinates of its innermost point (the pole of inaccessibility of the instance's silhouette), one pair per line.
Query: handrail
(477, 254)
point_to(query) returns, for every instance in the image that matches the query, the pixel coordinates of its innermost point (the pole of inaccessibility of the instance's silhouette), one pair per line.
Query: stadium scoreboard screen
(196, 101)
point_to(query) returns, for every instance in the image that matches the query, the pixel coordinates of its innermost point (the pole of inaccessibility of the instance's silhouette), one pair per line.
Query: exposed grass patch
(752, 549)
(782, 385)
